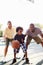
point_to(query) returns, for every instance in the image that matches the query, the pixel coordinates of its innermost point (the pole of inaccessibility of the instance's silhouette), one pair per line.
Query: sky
(21, 12)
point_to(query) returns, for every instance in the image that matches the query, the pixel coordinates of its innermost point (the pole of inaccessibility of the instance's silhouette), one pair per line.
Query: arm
(41, 34)
(15, 37)
(27, 32)
(5, 34)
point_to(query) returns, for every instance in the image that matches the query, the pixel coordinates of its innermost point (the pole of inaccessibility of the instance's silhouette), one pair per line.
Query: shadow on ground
(40, 63)
(2, 63)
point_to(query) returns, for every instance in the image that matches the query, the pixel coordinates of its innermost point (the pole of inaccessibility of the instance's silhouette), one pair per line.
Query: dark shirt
(20, 38)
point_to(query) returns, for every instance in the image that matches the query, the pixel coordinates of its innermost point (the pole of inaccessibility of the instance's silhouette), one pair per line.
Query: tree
(1, 32)
(0, 26)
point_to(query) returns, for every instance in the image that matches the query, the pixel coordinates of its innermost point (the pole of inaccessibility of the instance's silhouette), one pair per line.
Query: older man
(32, 33)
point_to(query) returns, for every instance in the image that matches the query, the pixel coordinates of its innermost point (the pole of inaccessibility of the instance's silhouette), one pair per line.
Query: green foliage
(1, 33)
(0, 26)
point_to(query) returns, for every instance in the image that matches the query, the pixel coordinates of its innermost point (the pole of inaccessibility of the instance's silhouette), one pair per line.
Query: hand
(42, 35)
(22, 40)
(5, 36)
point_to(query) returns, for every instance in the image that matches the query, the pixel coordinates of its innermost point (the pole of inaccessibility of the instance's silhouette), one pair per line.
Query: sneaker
(27, 61)
(4, 62)
(14, 60)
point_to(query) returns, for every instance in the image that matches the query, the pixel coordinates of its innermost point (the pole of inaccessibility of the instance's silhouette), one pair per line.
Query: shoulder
(38, 29)
(23, 35)
(16, 35)
(6, 29)
(14, 28)
(27, 31)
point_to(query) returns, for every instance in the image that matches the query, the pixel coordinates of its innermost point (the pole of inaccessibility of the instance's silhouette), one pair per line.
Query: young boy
(20, 37)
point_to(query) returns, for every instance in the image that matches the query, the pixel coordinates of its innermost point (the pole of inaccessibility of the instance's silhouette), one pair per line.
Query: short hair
(32, 24)
(19, 28)
(9, 22)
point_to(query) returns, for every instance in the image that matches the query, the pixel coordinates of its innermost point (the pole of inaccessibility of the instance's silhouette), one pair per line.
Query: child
(20, 37)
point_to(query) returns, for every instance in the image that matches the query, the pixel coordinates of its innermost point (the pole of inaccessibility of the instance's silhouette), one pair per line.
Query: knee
(27, 43)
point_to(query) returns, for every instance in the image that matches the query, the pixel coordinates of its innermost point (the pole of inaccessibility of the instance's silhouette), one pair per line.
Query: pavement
(34, 58)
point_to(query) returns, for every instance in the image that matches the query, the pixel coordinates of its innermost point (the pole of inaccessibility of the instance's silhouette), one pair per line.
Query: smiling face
(32, 27)
(20, 31)
(9, 24)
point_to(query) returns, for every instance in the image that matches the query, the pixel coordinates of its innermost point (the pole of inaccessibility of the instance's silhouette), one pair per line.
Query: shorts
(23, 46)
(7, 41)
(36, 38)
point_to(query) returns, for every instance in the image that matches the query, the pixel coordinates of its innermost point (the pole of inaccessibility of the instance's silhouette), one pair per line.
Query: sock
(4, 59)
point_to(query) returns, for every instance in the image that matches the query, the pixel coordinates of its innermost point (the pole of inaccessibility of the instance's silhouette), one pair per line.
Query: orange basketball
(15, 44)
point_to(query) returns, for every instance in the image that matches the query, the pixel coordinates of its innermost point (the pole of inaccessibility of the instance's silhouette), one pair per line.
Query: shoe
(4, 62)
(14, 60)
(27, 61)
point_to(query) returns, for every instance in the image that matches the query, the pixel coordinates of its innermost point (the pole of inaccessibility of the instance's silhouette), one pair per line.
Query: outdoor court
(35, 55)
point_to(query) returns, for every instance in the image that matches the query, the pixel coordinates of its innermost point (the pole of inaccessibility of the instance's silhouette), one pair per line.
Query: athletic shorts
(23, 46)
(7, 41)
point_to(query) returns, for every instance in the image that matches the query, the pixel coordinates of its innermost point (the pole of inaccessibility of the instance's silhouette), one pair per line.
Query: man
(8, 35)
(32, 33)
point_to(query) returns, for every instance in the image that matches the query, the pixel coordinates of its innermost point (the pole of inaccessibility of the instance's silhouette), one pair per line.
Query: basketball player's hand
(22, 40)
(42, 35)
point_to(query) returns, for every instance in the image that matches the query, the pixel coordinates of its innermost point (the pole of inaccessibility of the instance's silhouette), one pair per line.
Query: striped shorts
(23, 46)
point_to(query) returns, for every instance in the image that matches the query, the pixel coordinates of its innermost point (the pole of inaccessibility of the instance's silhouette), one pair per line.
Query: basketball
(15, 44)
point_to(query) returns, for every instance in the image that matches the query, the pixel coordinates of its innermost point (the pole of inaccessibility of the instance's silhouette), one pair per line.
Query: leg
(38, 40)
(15, 52)
(6, 48)
(23, 46)
(7, 44)
(15, 55)
(27, 60)
(29, 38)
(14, 60)
(5, 51)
